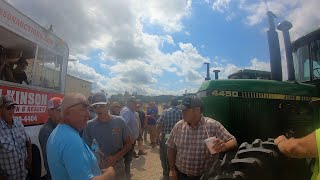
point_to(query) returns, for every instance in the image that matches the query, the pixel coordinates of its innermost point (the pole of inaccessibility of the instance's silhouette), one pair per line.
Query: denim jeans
(127, 161)
(163, 158)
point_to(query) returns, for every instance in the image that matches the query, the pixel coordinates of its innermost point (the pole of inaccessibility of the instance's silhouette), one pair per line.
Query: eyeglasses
(84, 104)
(11, 107)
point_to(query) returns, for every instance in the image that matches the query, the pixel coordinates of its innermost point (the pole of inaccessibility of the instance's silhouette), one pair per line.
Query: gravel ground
(147, 167)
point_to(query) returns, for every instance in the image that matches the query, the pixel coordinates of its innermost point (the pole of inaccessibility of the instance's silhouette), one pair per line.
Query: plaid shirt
(169, 118)
(13, 150)
(193, 156)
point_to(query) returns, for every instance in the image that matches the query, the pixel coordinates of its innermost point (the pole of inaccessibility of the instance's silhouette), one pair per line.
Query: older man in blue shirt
(128, 113)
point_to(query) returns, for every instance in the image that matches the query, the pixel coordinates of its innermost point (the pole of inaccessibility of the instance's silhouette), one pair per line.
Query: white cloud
(257, 64)
(82, 57)
(303, 14)
(220, 5)
(257, 10)
(166, 13)
(87, 73)
(228, 68)
(230, 16)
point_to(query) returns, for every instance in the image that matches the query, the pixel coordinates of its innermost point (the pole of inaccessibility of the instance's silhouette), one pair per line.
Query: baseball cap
(115, 104)
(7, 100)
(174, 101)
(99, 98)
(54, 102)
(190, 102)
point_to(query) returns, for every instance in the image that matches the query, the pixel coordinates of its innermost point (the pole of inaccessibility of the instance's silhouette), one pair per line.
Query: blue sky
(159, 47)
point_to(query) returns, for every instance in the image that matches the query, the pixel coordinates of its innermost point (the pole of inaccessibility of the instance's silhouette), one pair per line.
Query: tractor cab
(306, 58)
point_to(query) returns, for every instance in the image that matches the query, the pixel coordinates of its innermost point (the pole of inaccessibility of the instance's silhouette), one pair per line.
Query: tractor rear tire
(262, 160)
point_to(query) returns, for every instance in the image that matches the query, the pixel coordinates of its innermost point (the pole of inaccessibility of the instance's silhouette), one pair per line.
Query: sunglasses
(99, 106)
(84, 104)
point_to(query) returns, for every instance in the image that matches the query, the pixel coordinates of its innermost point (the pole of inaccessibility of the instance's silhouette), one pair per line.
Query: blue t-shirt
(154, 112)
(69, 157)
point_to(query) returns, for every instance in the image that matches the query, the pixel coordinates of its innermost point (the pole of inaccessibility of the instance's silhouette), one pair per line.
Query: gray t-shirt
(110, 135)
(44, 134)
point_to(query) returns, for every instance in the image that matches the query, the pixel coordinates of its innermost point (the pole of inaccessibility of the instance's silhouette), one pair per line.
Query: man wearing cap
(15, 144)
(128, 113)
(152, 116)
(188, 155)
(45, 131)
(19, 73)
(115, 108)
(306, 147)
(68, 155)
(165, 123)
(111, 133)
(92, 114)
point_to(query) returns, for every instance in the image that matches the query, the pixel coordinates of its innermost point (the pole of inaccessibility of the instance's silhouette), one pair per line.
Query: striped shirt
(193, 156)
(169, 118)
(13, 150)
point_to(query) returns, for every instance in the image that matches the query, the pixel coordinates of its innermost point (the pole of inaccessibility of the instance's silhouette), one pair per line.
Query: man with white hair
(68, 155)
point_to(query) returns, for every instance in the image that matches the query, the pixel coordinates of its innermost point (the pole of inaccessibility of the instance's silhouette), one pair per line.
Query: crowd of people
(92, 138)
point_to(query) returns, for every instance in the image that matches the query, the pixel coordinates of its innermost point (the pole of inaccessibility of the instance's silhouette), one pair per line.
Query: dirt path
(147, 167)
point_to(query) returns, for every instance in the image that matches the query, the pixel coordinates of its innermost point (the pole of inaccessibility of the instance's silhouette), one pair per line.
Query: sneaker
(142, 152)
(135, 155)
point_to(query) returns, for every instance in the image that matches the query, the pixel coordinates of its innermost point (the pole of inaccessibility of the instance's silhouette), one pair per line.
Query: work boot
(142, 152)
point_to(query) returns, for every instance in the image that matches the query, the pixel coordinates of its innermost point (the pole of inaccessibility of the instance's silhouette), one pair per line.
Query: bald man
(68, 155)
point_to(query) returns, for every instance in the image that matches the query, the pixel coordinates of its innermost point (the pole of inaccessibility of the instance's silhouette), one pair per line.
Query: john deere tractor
(261, 109)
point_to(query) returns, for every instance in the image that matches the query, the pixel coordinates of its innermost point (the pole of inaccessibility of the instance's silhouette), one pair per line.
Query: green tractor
(260, 109)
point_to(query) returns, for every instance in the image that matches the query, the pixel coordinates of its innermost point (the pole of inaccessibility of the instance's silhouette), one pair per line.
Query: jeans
(163, 158)
(120, 170)
(127, 162)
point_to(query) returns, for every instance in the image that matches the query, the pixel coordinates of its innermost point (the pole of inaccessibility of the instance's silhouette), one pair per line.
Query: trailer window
(47, 70)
